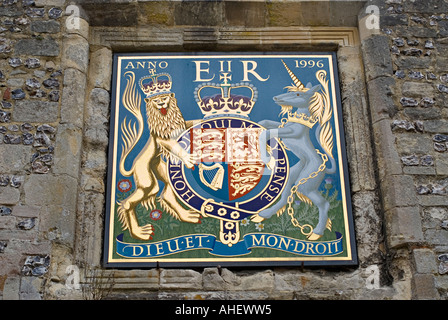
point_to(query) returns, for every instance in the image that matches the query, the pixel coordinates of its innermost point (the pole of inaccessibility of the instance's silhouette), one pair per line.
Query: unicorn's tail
(333, 167)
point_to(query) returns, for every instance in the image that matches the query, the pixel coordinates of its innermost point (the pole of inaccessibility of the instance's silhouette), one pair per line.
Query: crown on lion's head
(155, 85)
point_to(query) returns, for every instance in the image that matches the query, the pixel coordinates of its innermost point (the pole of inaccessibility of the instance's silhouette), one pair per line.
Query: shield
(230, 165)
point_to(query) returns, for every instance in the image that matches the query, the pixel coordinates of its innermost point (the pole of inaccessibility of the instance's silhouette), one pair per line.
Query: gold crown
(302, 119)
(155, 85)
(226, 99)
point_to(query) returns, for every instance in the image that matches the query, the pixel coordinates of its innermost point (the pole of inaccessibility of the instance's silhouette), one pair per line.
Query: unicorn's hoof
(329, 224)
(313, 236)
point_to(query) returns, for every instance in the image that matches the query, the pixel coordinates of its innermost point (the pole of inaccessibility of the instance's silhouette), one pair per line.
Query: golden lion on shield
(166, 123)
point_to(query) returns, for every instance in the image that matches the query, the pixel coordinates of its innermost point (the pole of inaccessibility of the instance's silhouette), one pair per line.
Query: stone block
(7, 222)
(45, 190)
(82, 29)
(73, 95)
(436, 236)
(10, 11)
(377, 60)
(427, 6)
(211, 280)
(11, 261)
(30, 247)
(442, 64)
(55, 3)
(90, 206)
(432, 200)
(112, 14)
(30, 288)
(388, 159)
(394, 20)
(11, 288)
(136, 279)
(50, 26)
(356, 114)
(96, 160)
(409, 143)
(417, 89)
(247, 14)
(9, 196)
(67, 154)
(75, 53)
(90, 183)
(57, 222)
(410, 62)
(15, 82)
(442, 164)
(395, 195)
(344, 13)
(282, 14)
(424, 287)
(14, 157)
(416, 31)
(97, 118)
(404, 226)
(155, 12)
(367, 217)
(381, 101)
(288, 281)
(37, 47)
(358, 145)
(35, 111)
(198, 13)
(425, 261)
(426, 114)
(100, 68)
(437, 126)
(259, 281)
(419, 170)
(180, 279)
(315, 13)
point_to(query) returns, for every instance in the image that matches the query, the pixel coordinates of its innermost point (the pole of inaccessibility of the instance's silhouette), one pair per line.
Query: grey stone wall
(414, 89)
(54, 113)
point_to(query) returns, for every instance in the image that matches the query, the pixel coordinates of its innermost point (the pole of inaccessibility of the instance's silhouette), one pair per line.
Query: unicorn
(305, 108)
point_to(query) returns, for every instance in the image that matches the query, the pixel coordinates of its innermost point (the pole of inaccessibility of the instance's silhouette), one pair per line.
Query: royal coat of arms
(227, 159)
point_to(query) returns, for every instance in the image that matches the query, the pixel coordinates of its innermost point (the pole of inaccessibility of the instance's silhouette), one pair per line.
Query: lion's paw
(190, 216)
(143, 233)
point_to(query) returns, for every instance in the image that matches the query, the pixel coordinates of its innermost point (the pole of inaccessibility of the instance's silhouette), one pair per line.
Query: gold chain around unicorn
(312, 175)
(290, 210)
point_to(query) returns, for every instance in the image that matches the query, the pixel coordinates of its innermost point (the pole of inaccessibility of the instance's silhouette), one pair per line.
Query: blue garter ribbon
(243, 247)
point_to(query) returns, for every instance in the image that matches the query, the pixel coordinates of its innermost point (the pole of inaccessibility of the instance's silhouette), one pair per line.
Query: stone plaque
(227, 159)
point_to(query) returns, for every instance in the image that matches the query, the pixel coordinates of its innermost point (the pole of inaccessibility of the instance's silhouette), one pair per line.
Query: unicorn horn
(296, 81)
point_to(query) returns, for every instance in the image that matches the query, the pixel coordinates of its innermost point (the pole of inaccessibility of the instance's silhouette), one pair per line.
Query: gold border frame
(335, 102)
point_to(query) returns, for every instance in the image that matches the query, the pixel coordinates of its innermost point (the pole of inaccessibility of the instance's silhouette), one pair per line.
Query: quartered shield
(230, 165)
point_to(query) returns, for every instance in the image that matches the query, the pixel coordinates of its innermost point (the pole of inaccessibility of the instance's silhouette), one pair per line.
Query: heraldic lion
(166, 123)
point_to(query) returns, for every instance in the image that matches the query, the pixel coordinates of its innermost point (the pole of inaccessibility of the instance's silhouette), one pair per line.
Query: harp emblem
(212, 176)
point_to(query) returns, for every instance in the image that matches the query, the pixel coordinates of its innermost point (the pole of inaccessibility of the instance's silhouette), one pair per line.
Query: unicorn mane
(320, 109)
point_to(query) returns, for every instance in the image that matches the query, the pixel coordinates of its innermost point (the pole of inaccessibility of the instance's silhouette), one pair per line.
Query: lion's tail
(131, 101)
